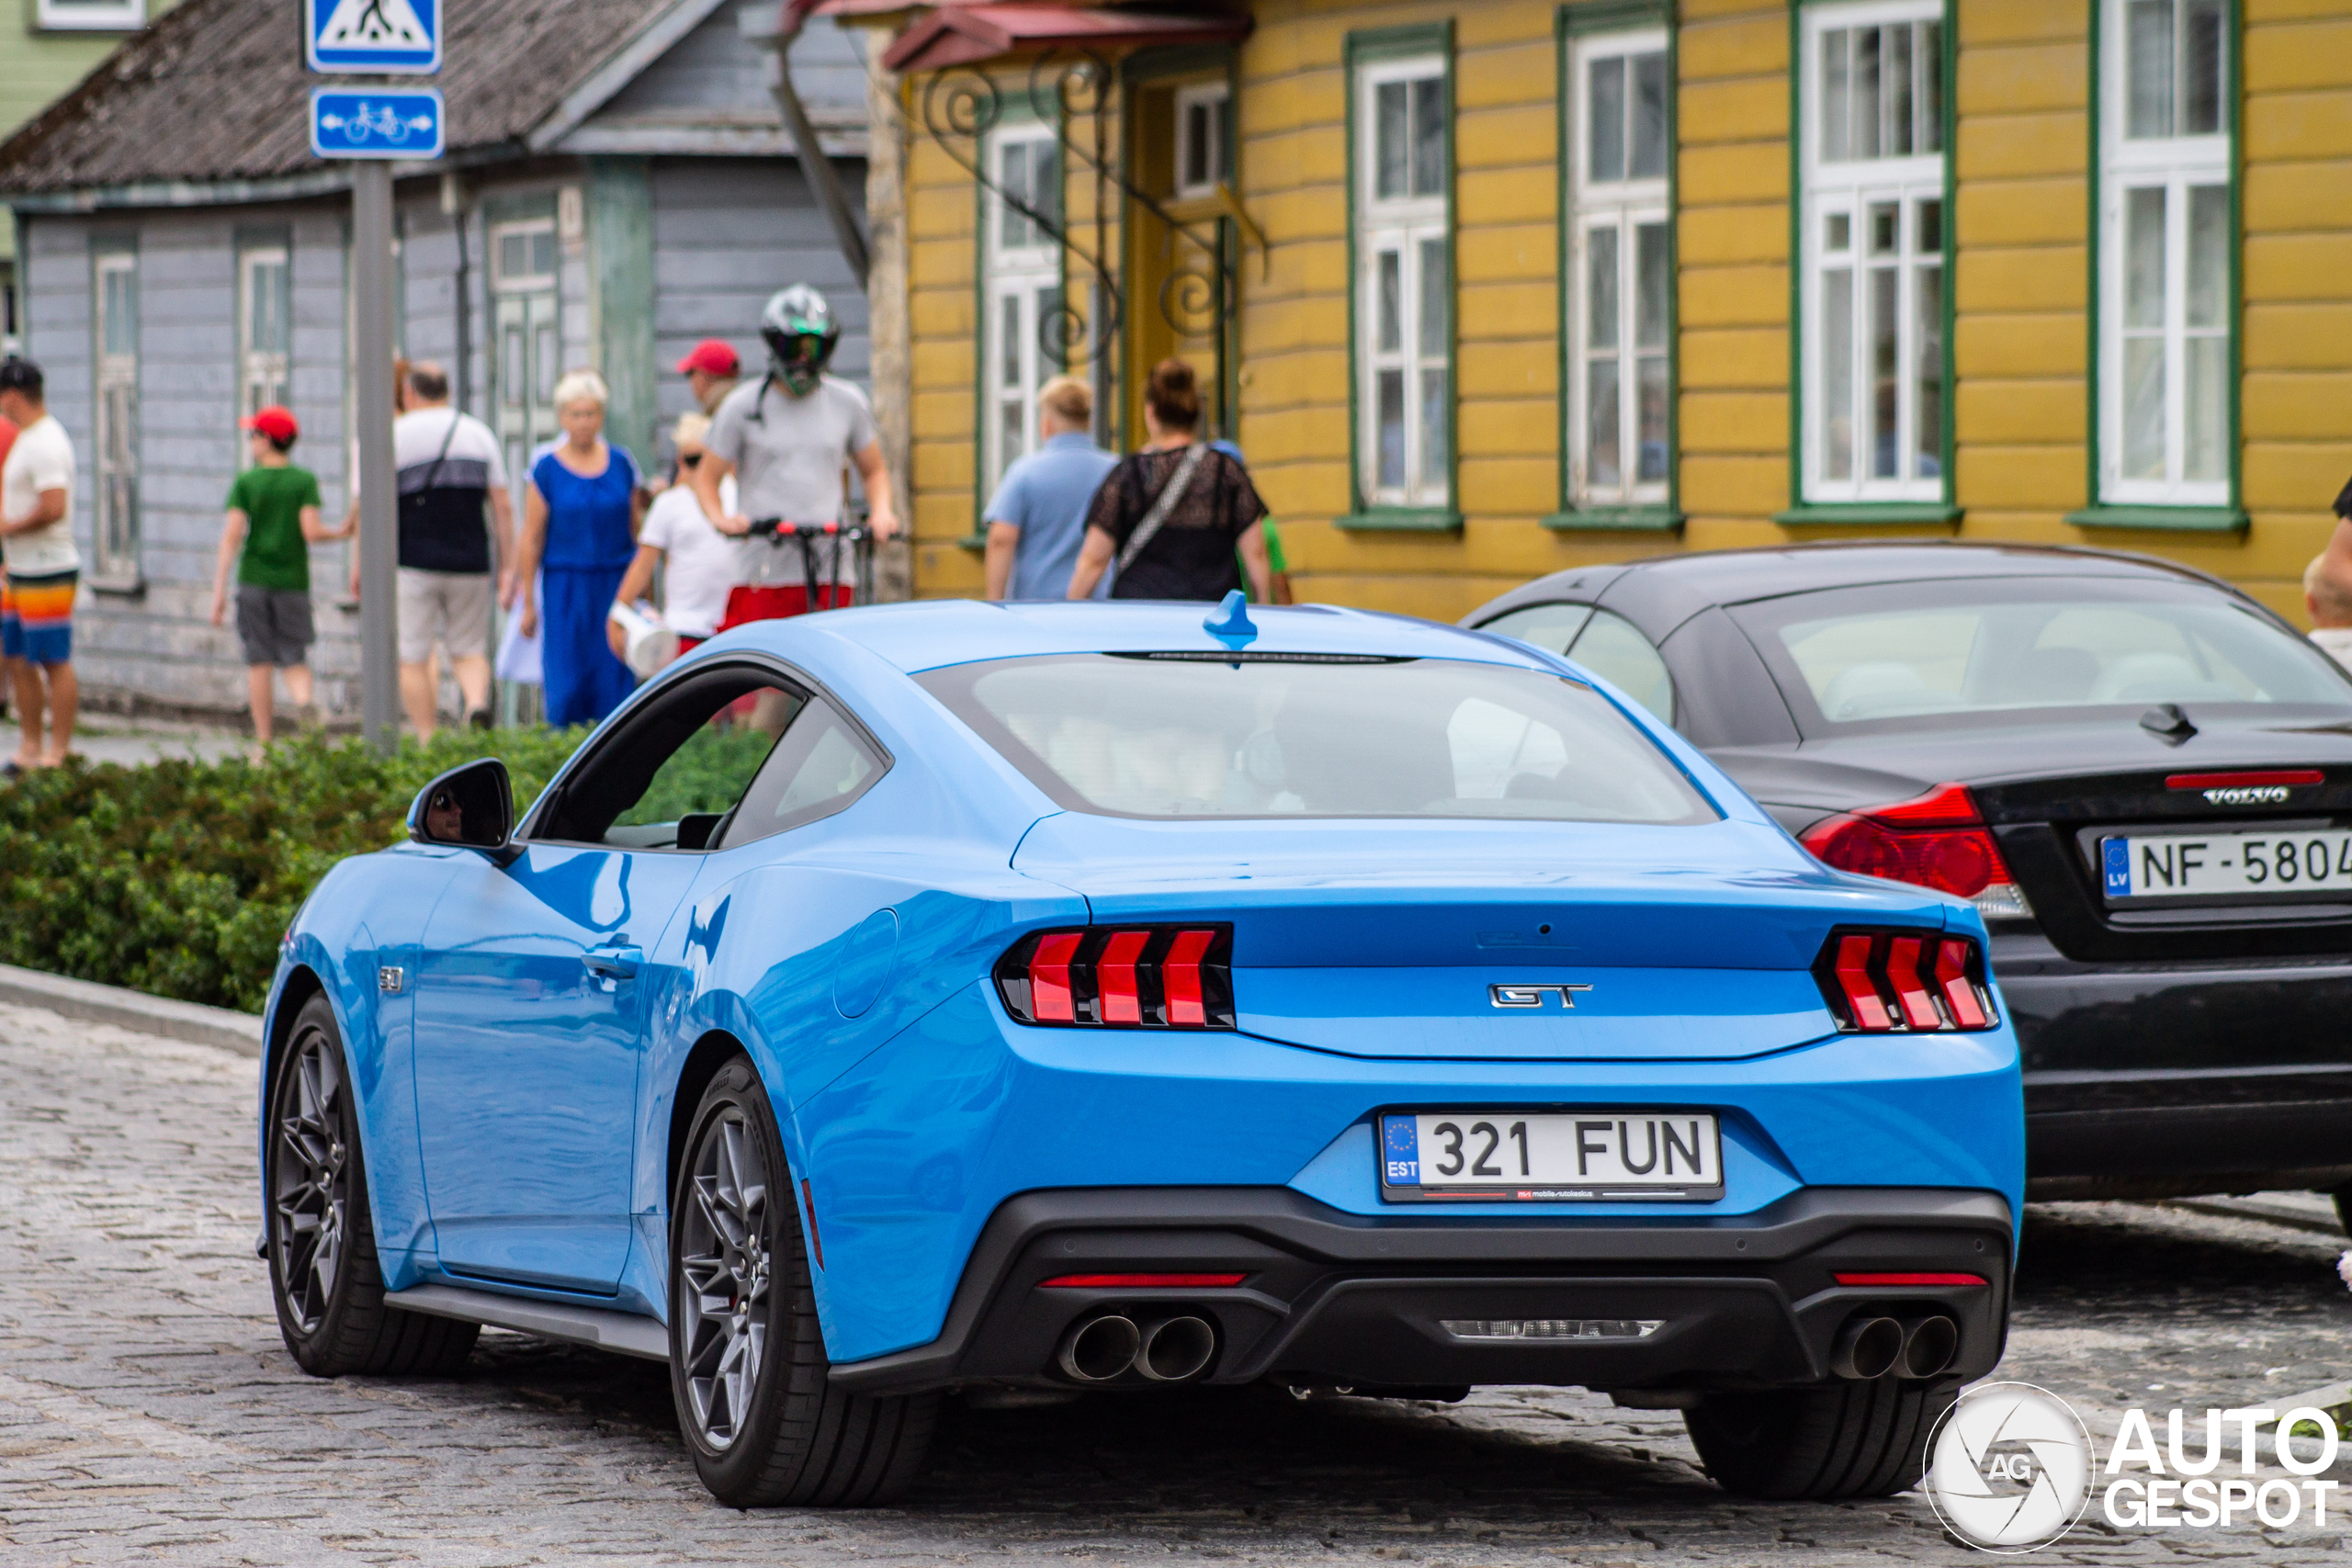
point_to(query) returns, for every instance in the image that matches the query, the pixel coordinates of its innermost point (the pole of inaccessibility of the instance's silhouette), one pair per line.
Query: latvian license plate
(2210, 866)
(1593, 1156)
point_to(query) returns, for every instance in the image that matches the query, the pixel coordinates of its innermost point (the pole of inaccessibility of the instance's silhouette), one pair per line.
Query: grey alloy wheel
(325, 1281)
(726, 1259)
(311, 1168)
(747, 1355)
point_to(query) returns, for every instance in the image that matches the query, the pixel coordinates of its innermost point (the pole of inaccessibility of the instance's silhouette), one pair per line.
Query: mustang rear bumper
(1330, 1298)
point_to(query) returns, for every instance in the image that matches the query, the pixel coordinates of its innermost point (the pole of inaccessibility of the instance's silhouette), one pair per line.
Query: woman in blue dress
(580, 523)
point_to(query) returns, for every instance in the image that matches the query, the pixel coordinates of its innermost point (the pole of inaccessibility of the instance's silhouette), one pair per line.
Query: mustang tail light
(1121, 976)
(1938, 841)
(1880, 982)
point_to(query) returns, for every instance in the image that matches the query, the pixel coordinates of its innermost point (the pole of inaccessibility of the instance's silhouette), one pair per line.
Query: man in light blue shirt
(1037, 517)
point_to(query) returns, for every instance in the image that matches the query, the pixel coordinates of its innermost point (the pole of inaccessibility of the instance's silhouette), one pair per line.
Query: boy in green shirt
(274, 516)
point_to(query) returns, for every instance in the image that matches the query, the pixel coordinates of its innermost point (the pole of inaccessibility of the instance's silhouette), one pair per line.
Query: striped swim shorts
(36, 617)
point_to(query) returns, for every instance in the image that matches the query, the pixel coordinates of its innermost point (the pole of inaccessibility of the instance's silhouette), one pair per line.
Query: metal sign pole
(371, 283)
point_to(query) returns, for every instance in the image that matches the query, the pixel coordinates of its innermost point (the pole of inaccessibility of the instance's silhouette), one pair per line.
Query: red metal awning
(953, 35)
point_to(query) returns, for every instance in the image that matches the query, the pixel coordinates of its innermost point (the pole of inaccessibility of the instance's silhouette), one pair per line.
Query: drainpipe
(823, 178)
(459, 209)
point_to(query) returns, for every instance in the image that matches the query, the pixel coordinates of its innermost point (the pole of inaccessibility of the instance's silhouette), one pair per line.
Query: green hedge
(178, 878)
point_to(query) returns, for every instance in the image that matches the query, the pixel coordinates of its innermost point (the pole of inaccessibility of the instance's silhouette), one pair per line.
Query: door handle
(613, 963)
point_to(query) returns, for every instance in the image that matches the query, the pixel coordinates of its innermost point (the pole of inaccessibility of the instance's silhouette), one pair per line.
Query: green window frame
(1394, 242)
(2166, 247)
(1865, 361)
(1616, 206)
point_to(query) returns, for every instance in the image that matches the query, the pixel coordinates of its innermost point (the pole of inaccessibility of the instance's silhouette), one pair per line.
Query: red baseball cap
(711, 357)
(275, 421)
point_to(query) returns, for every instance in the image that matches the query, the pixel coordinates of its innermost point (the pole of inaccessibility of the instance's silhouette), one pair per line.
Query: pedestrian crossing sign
(392, 36)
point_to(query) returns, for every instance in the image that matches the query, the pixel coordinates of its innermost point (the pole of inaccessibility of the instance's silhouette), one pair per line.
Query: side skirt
(625, 1332)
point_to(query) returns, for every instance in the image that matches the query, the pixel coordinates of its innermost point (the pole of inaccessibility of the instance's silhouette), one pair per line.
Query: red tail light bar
(1144, 1282)
(1879, 982)
(1121, 976)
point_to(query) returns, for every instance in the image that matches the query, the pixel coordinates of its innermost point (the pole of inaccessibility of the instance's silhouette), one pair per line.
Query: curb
(187, 1022)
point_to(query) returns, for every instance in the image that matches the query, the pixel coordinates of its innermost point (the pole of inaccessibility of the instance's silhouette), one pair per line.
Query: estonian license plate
(1593, 1156)
(2206, 865)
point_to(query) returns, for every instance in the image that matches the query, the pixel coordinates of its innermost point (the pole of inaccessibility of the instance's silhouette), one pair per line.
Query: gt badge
(1532, 995)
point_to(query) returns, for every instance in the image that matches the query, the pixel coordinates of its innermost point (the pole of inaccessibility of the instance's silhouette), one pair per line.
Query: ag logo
(2009, 1468)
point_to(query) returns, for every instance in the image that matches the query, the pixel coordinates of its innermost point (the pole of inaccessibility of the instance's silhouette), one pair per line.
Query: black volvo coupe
(2139, 775)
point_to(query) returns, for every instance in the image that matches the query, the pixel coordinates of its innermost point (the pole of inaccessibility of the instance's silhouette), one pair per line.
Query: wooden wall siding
(428, 313)
(2020, 333)
(713, 77)
(941, 253)
(2296, 398)
(1732, 239)
(163, 646)
(727, 232)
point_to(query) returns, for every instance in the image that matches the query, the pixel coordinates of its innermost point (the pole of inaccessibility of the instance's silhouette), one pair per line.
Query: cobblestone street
(148, 1411)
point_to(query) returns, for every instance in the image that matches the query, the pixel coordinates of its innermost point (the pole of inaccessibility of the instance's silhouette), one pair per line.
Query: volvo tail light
(1880, 982)
(1938, 841)
(1121, 976)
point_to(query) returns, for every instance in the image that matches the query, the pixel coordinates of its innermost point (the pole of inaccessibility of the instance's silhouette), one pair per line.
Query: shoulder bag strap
(441, 458)
(1169, 494)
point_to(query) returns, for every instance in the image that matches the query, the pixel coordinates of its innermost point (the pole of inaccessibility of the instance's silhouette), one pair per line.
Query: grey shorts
(274, 624)
(451, 608)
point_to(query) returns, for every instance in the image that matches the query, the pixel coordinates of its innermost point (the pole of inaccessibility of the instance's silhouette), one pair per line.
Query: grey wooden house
(619, 185)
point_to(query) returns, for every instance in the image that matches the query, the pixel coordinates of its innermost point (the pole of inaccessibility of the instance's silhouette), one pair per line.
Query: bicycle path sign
(375, 122)
(399, 37)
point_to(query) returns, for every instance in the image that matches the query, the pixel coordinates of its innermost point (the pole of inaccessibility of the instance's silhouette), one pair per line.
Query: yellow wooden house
(1491, 289)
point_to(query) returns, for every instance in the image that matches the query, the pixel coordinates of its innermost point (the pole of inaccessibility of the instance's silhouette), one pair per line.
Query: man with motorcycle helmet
(787, 439)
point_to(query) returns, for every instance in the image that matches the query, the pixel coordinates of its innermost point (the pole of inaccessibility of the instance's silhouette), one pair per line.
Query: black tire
(1840, 1439)
(776, 1433)
(320, 1240)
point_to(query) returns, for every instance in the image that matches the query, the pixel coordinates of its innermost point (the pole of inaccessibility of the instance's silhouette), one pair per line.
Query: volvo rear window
(1922, 650)
(1176, 736)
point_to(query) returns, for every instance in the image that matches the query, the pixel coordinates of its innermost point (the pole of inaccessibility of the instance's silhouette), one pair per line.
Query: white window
(1874, 250)
(1620, 275)
(91, 16)
(1203, 162)
(1403, 290)
(523, 253)
(2165, 239)
(265, 332)
(115, 334)
(1021, 290)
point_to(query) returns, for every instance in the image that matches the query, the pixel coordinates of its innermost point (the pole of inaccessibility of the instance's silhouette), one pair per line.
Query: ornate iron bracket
(962, 105)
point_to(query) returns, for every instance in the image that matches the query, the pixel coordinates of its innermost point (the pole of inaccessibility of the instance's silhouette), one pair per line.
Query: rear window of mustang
(1260, 735)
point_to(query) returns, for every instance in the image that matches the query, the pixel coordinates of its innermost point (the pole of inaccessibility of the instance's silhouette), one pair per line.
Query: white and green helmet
(801, 333)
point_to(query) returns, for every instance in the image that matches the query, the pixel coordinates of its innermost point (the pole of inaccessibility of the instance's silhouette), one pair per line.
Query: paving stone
(149, 1413)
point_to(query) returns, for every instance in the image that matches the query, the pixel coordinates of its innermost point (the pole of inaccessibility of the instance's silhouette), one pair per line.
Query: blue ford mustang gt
(1091, 996)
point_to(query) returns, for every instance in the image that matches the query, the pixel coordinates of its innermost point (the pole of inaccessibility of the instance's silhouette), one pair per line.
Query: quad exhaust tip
(1175, 1348)
(1870, 1346)
(1099, 1349)
(1928, 1346)
(1867, 1348)
(1161, 1349)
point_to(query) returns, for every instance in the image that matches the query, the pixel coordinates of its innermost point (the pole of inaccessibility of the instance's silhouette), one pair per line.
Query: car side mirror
(470, 807)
